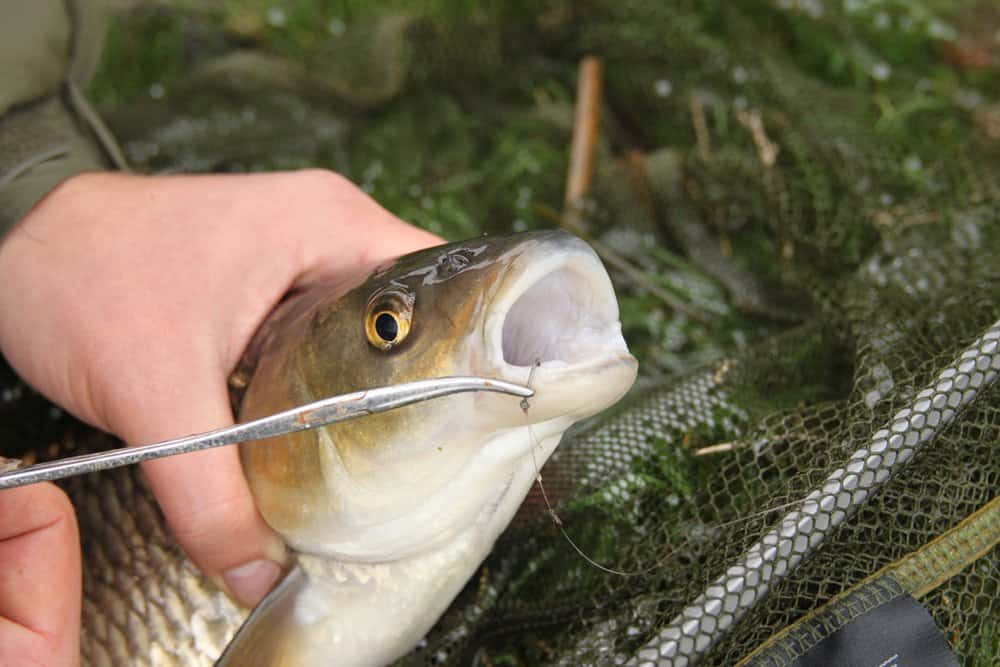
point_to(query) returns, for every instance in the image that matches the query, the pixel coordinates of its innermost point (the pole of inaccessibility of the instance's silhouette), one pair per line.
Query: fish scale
(144, 601)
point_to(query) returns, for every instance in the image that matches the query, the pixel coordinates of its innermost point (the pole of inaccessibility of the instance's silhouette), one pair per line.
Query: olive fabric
(49, 49)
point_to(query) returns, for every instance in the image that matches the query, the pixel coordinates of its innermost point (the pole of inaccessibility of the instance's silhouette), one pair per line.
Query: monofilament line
(545, 496)
(525, 405)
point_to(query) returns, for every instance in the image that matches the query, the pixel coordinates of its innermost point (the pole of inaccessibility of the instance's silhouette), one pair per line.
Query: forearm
(48, 52)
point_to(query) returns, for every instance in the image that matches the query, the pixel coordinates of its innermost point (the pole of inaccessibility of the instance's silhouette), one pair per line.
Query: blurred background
(457, 116)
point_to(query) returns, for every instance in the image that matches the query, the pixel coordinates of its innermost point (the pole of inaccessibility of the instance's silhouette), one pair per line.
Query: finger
(366, 235)
(205, 498)
(39, 577)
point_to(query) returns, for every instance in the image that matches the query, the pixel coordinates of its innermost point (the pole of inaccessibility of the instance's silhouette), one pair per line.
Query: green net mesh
(809, 191)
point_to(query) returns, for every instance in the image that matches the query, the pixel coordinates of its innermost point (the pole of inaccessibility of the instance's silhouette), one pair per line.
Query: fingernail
(276, 551)
(250, 582)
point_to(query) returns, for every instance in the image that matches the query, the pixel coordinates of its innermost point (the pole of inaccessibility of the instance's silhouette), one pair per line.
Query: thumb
(204, 495)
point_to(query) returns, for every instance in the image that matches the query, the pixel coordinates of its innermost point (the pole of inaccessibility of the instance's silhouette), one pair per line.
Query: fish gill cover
(807, 193)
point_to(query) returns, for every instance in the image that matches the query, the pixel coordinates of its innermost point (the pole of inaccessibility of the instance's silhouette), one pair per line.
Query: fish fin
(270, 635)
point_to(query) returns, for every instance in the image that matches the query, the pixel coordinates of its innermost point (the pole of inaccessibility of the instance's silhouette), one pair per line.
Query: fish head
(533, 308)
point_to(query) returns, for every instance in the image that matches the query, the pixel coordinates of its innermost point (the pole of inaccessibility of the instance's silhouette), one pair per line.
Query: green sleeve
(49, 50)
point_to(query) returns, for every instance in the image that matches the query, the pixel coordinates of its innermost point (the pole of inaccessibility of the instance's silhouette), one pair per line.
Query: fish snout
(554, 326)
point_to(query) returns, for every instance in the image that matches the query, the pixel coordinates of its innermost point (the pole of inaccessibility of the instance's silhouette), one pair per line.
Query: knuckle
(326, 181)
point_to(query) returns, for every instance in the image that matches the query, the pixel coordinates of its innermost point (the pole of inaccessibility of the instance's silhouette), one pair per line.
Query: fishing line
(754, 515)
(545, 496)
(557, 520)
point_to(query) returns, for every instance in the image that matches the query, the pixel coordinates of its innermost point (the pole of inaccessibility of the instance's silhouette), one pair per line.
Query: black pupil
(386, 327)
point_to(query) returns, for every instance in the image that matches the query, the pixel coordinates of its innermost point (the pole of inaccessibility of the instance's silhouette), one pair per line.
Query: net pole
(729, 598)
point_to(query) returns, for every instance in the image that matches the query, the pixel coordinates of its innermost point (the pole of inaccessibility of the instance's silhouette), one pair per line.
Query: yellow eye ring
(387, 325)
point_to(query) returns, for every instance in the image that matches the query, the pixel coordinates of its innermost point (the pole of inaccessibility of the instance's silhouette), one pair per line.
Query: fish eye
(388, 322)
(386, 326)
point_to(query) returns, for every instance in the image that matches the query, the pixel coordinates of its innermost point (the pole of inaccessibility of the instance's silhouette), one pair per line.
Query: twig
(767, 150)
(702, 138)
(717, 449)
(586, 125)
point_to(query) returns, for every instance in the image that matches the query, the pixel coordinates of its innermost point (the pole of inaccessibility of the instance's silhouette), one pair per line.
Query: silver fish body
(144, 602)
(388, 515)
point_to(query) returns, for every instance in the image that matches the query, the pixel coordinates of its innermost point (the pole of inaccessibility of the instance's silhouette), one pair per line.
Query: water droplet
(372, 172)
(157, 90)
(967, 98)
(913, 164)
(336, 27)
(663, 88)
(938, 29)
(276, 17)
(427, 203)
(881, 71)
(740, 74)
(523, 199)
(882, 20)
(812, 8)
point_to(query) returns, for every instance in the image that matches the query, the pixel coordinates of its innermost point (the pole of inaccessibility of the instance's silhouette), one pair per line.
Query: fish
(387, 516)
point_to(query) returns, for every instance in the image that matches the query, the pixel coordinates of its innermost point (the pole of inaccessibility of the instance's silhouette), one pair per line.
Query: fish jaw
(555, 326)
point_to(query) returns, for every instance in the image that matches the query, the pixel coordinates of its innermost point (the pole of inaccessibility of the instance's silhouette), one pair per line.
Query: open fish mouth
(554, 321)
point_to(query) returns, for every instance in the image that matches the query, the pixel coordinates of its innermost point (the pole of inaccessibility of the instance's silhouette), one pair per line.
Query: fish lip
(580, 333)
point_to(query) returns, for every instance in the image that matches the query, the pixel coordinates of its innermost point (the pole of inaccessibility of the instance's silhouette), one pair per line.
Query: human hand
(39, 578)
(129, 299)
